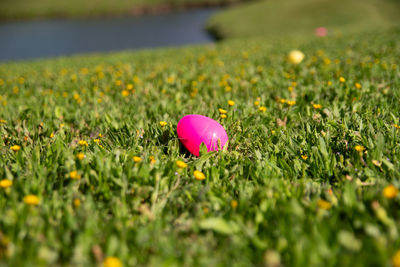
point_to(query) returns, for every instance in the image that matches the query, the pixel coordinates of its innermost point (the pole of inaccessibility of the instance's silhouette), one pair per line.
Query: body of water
(59, 37)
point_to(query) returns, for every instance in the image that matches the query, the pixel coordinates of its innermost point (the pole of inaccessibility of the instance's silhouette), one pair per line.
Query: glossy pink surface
(196, 129)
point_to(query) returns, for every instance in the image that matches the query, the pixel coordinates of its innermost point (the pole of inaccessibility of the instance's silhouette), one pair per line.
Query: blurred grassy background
(298, 17)
(18, 9)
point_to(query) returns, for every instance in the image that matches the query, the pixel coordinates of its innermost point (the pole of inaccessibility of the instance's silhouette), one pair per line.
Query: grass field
(310, 177)
(274, 18)
(28, 9)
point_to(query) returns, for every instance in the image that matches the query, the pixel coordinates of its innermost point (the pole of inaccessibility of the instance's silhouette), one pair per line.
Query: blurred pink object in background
(321, 31)
(196, 129)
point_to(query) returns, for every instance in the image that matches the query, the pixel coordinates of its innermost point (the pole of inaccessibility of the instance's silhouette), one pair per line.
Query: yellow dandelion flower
(342, 80)
(74, 175)
(163, 123)
(84, 71)
(327, 61)
(112, 262)
(171, 79)
(31, 200)
(2, 121)
(396, 259)
(129, 86)
(152, 159)
(100, 135)
(231, 103)
(62, 125)
(305, 157)
(223, 116)
(282, 100)
(234, 204)
(51, 135)
(97, 140)
(256, 103)
(80, 156)
(323, 204)
(228, 88)
(222, 111)
(396, 126)
(291, 102)
(262, 109)
(82, 143)
(199, 175)
(77, 202)
(201, 77)
(357, 85)
(5, 183)
(181, 164)
(390, 191)
(125, 93)
(136, 79)
(15, 148)
(273, 131)
(194, 92)
(118, 82)
(137, 159)
(317, 106)
(359, 148)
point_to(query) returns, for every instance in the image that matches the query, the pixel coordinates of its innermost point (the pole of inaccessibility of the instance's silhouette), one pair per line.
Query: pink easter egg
(196, 129)
(321, 31)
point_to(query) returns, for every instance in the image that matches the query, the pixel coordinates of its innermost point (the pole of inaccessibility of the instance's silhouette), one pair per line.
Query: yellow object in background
(295, 56)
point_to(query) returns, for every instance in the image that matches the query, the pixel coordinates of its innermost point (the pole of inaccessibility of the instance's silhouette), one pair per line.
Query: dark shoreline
(157, 9)
(168, 8)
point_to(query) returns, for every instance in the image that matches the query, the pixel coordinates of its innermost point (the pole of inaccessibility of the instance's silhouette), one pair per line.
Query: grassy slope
(16, 9)
(274, 18)
(148, 213)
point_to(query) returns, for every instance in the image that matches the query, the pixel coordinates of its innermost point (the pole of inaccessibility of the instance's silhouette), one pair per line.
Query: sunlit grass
(91, 170)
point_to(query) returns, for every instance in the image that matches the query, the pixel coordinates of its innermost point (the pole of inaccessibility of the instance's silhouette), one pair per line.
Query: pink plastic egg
(196, 129)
